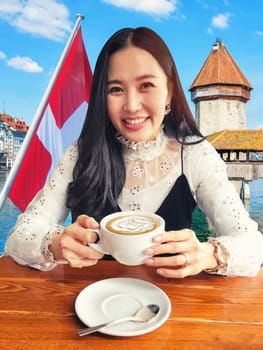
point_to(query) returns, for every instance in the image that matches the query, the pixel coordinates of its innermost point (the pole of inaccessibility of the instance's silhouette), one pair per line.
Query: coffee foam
(132, 224)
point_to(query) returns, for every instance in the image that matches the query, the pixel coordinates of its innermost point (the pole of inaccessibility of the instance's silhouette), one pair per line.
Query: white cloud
(25, 64)
(2, 55)
(221, 20)
(151, 7)
(48, 18)
(7, 8)
(259, 33)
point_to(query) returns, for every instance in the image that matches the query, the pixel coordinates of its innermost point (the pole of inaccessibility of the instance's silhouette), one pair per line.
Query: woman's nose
(132, 102)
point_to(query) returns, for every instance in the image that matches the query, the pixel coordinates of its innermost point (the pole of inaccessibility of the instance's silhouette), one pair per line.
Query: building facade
(12, 134)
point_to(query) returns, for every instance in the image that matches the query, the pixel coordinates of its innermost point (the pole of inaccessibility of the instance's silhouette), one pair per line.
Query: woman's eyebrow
(141, 77)
(114, 81)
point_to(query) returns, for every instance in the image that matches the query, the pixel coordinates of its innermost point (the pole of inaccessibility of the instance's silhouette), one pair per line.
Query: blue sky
(34, 33)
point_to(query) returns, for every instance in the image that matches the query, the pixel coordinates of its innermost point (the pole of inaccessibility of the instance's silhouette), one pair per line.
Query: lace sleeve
(28, 241)
(228, 220)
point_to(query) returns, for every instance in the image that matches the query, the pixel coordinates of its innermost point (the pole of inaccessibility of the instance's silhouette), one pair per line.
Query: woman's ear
(167, 109)
(170, 93)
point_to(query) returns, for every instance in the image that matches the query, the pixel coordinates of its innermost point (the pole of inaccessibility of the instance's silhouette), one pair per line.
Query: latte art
(132, 224)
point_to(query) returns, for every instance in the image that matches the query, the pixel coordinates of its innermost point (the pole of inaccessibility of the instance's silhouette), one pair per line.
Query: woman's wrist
(54, 246)
(211, 262)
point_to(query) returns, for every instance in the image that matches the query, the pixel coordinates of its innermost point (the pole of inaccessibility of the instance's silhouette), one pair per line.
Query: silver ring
(186, 259)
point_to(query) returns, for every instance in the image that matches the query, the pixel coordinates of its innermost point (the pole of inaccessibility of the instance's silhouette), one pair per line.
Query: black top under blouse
(178, 206)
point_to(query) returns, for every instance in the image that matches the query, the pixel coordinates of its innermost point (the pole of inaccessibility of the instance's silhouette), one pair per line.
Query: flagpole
(39, 112)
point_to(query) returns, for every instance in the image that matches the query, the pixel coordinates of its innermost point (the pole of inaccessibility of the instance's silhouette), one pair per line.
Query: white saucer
(114, 298)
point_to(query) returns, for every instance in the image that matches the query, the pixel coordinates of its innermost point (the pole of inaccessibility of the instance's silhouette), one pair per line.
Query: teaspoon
(144, 314)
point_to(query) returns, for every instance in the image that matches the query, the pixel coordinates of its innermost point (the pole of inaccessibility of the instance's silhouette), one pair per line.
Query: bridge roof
(237, 140)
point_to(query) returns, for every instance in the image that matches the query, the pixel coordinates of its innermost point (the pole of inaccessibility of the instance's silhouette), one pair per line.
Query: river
(9, 212)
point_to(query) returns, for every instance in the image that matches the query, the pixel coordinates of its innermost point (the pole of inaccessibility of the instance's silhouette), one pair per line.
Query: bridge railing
(248, 171)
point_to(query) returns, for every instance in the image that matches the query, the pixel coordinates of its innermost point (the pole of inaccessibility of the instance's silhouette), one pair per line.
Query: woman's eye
(115, 89)
(146, 85)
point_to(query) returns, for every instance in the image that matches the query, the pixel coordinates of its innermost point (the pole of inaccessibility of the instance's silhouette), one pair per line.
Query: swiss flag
(59, 125)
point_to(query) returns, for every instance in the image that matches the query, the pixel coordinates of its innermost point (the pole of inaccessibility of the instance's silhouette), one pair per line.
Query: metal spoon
(144, 314)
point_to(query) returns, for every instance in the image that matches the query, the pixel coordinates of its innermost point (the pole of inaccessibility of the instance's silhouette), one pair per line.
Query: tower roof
(220, 68)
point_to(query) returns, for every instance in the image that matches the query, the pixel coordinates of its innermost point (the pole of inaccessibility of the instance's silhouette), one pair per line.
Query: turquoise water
(9, 213)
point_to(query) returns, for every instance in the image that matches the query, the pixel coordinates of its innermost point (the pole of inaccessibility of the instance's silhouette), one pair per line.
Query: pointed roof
(220, 68)
(237, 140)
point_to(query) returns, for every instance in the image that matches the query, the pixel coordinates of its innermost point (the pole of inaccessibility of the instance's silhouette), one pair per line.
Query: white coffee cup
(125, 235)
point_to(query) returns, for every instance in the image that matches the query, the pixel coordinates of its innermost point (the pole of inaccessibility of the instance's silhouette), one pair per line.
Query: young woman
(139, 149)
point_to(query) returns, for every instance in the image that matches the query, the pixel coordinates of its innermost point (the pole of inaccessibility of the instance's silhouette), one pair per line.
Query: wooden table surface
(208, 312)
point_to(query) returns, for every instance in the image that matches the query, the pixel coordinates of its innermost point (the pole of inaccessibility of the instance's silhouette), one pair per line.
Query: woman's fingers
(176, 273)
(80, 249)
(75, 261)
(86, 221)
(75, 239)
(173, 242)
(180, 254)
(173, 260)
(175, 236)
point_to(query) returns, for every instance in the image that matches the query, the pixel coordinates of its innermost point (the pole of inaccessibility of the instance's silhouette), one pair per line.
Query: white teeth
(135, 121)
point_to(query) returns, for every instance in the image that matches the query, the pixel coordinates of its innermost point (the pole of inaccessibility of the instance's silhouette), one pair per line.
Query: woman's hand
(72, 245)
(186, 254)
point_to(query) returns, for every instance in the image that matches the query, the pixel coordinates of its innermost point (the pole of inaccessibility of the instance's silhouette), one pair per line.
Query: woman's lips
(135, 121)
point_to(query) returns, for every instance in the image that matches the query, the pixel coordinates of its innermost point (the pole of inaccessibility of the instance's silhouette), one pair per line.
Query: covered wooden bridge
(242, 150)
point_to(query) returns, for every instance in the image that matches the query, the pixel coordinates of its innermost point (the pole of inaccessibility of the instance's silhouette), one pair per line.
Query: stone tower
(220, 92)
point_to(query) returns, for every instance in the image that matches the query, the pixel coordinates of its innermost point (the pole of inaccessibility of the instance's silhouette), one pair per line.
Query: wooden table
(208, 312)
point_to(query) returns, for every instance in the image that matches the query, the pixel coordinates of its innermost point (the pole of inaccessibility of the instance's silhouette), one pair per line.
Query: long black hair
(99, 173)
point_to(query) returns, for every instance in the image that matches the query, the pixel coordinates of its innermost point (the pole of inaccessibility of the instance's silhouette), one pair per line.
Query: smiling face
(137, 94)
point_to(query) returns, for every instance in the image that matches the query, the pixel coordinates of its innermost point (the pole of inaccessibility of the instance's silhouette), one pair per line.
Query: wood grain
(208, 312)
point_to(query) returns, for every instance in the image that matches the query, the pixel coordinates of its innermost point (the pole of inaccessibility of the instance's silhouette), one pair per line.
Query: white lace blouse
(151, 170)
